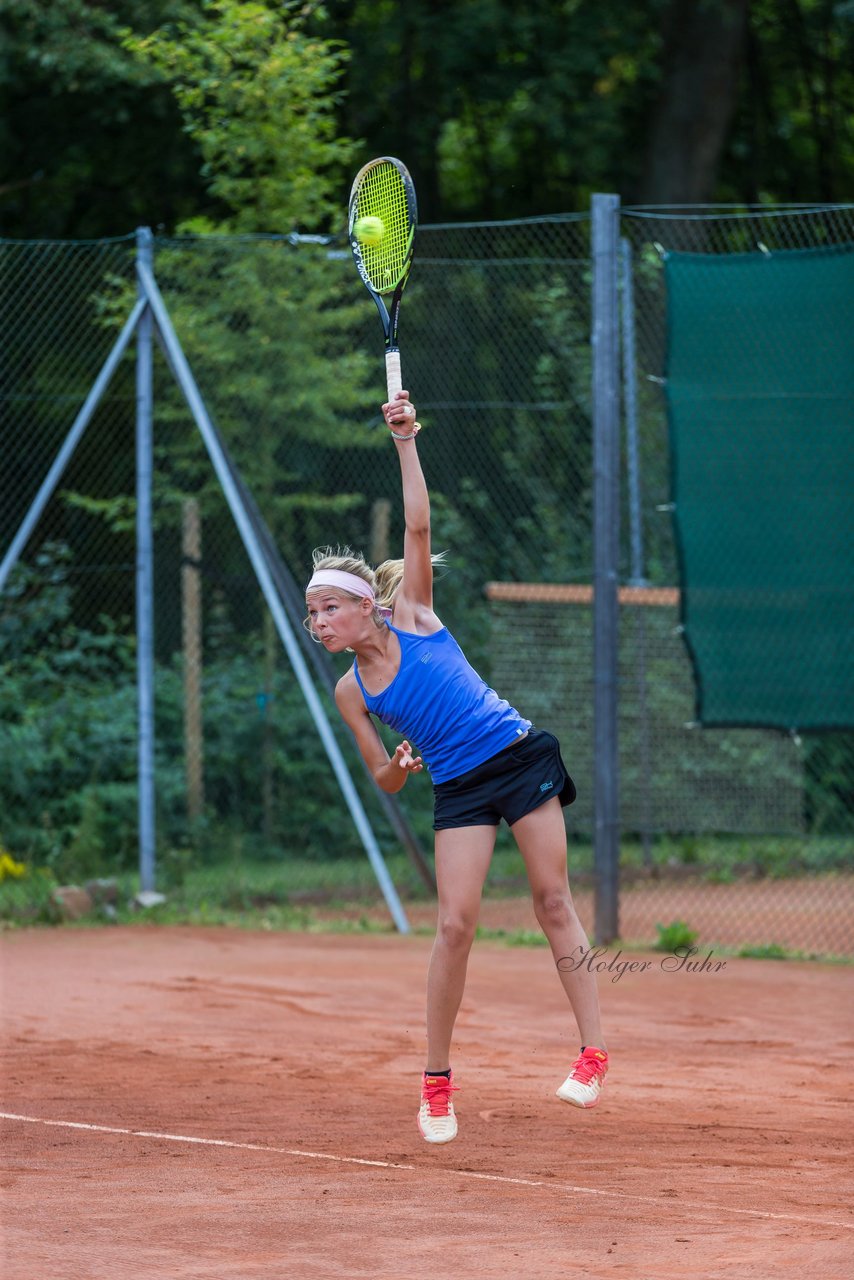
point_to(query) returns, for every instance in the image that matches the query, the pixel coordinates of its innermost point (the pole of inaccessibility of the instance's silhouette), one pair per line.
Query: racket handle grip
(393, 377)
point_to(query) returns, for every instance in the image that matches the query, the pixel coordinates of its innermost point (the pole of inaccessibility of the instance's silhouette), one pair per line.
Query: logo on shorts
(546, 786)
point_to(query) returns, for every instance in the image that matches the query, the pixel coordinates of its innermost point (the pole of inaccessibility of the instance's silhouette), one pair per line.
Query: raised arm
(416, 589)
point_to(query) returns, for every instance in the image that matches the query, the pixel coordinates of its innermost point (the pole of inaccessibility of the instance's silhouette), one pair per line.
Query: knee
(456, 932)
(554, 908)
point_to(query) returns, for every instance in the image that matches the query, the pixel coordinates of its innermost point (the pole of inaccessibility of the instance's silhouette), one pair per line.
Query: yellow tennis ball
(369, 230)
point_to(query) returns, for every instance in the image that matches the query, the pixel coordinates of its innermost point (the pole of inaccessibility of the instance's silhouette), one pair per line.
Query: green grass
(513, 937)
(272, 918)
(342, 896)
(770, 951)
(674, 935)
(207, 910)
(28, 900)
(725, 859)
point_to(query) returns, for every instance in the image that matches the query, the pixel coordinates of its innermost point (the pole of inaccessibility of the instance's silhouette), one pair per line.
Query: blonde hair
(384, 581)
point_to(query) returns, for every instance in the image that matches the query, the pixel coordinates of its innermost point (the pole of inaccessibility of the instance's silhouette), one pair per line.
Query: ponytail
(389, 576)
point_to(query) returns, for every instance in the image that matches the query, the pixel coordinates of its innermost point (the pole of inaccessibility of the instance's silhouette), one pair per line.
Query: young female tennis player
(487, 763)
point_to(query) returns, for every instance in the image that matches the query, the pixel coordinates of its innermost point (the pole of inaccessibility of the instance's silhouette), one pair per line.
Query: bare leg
(463, 855)
(541, 837)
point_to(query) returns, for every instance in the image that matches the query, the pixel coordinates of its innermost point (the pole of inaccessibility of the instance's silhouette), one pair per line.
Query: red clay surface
(719, 1149)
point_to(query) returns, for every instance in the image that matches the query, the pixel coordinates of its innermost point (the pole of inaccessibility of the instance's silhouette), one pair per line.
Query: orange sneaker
(583, 1086)
(436, 1118)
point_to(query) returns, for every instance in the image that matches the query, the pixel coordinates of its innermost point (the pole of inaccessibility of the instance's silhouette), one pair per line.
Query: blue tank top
(442, 705)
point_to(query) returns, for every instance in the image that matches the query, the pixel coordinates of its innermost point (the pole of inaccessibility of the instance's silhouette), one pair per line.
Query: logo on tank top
(426, 657)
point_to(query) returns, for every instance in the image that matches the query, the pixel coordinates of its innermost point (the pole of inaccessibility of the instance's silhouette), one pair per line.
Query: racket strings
(382, 195)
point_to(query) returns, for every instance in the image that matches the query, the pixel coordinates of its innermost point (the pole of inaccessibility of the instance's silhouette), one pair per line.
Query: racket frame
(389, 312)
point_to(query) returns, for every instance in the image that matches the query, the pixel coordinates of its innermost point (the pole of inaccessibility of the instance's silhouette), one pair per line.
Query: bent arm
(390, 773)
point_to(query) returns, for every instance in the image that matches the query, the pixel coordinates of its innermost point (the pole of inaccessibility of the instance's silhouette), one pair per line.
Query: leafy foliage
(58, 743)
(90, 140)
(501, 111)
(793, 135)
(257, 95)
(676, 936)
(286, 421)
(229, 115)
(68, 742)
(68, 790)
(505, 112)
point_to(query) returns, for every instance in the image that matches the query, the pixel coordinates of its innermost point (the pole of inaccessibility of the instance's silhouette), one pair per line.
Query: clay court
(216, 1103)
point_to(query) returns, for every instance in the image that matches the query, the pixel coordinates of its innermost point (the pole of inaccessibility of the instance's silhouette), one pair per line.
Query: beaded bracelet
(409, 437)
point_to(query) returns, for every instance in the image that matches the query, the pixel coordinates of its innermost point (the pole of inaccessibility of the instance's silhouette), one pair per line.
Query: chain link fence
(495, 339)
(783, 803)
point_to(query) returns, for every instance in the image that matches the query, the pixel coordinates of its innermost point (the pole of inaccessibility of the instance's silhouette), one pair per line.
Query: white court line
(694, 1206)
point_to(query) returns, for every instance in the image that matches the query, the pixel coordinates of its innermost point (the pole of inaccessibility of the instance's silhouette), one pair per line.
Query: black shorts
(508, 785)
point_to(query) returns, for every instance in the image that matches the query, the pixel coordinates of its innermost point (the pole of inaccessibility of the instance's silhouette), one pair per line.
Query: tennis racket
(384, 189)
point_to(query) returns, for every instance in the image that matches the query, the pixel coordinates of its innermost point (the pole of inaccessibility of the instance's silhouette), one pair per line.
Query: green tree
(501, 110)
(506, 111)
(90, 138)
(258, 94)
(265, 324)
(793, 135)
(700, 65)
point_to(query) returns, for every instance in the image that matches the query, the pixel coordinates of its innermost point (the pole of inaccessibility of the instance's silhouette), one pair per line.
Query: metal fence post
(606, 544)
(636, 553)
(145, 577)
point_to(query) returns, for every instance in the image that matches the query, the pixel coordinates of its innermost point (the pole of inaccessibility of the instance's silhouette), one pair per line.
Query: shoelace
(437, 1094)
(586, 1066)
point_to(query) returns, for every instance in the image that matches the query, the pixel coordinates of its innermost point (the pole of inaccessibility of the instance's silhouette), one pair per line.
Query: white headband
(349, 582)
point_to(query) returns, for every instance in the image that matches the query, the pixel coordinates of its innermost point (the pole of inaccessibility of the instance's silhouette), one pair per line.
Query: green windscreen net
(760, 389)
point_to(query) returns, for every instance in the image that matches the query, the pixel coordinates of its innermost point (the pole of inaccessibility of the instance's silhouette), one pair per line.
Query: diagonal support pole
(294, 602)
(192, 395)
(81, 422)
